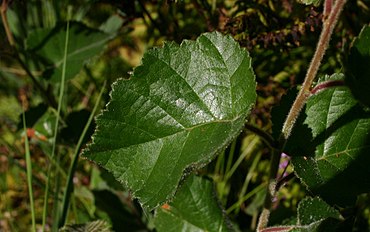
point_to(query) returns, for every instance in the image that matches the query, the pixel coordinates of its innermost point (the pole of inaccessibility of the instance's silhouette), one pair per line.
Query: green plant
(185, 122)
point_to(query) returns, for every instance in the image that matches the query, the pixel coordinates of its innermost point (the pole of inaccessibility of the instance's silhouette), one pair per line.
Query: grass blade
(29, 173)
(69, 186)
(60, 100)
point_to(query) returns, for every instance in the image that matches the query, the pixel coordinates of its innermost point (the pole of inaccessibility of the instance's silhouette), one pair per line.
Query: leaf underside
(179, 109)
(338, 170)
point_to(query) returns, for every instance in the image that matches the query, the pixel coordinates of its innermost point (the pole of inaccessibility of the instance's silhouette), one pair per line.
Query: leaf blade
(178, 110)
(358, 70)
(48, 44)
(341, 142)
(194, 208)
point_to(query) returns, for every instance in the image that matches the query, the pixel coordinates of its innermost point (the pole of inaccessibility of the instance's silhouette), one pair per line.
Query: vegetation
(214, 115)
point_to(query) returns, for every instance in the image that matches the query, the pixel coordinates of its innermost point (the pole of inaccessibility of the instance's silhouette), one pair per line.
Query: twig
(267, 138)
(49, 98)
(285, 179)
(4, 18)
(156, 25)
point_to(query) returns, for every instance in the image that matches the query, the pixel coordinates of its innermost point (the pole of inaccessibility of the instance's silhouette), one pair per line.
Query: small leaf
(311, 2)
(112, 24)
(338, 170)
(178, 110)
(84, 43)
(315, 209)
(194, 208)
(358, 67)
(98, 225)
(314, 215)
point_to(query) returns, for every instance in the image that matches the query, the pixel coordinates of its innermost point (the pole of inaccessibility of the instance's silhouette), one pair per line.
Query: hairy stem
(304, 93)
(322, 45)
(271, 190)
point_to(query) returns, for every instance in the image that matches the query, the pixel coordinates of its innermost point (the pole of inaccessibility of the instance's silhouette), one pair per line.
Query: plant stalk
(322, 45)
(328, 27)
(4, 18)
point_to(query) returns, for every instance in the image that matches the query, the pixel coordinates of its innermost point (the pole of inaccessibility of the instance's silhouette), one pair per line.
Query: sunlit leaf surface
(181, 107)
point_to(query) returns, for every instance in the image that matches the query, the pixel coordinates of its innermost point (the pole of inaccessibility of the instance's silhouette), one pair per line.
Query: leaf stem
(285, 179)
(326, 85)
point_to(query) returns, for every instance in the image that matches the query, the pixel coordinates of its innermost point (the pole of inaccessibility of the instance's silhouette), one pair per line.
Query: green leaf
(84, 43)
(98, 225)
(338, 170)
(311, 210)
(178, 110)
(194, 208)
(358, 67)
(112, 25)
(311, 2)
(314, 215)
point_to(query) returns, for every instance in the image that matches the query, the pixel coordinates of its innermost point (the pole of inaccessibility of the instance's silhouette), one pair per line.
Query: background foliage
(108, 39)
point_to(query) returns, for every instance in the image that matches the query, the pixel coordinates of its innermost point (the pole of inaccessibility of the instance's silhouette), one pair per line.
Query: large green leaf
(84, 43)
(338, 170)
(194, 208)
(178, 110)
(358, 67)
